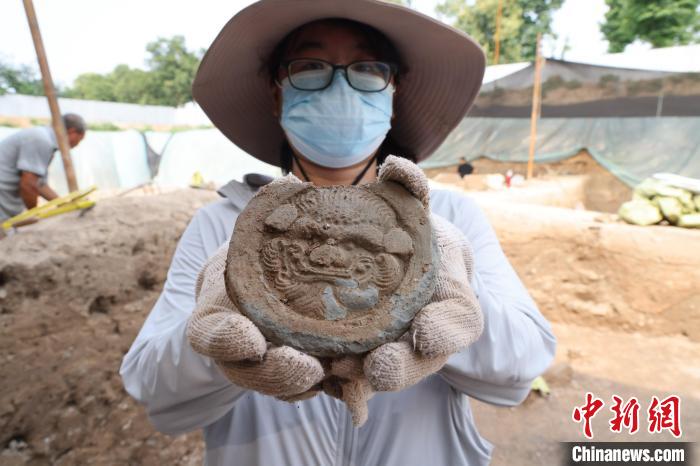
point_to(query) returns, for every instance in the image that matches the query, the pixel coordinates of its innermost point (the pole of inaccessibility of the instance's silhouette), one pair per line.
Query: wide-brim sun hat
(446, 68)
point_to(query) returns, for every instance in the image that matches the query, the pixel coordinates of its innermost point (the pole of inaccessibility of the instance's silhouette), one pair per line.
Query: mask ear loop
(355, 181)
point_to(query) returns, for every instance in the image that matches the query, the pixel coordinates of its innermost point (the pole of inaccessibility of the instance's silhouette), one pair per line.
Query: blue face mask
(338, 126)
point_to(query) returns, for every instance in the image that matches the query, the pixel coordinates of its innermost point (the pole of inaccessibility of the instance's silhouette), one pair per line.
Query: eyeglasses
(310, 74)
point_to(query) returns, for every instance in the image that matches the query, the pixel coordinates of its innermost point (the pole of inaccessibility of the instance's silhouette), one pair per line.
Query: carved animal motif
(331, 270)
(326, 252)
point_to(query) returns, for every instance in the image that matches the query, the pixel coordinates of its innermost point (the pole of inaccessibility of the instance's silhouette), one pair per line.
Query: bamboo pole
(56, 120)
(536, 105)
(497, 36)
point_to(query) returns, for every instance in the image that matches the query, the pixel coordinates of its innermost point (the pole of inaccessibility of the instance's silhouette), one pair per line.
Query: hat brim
(446, 68)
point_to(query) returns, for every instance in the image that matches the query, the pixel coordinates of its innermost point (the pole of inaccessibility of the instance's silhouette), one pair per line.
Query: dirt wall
(601, 191)
(586, 268)
(556, 191)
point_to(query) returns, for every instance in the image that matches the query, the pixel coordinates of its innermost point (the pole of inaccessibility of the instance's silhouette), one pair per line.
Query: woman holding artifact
(331, 90)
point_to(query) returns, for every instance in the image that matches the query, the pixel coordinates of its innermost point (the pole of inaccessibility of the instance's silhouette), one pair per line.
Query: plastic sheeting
(107, 159)
(27, 106)
(523, 77)
(120, 159)
(211, 154)
(158, 140)
(630, 148)
(5, 131)
(649, 64)
(679, 58)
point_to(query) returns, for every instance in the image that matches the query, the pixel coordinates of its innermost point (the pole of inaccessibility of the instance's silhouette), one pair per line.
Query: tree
(479, 21)
(132, 85)
(521, 20)
(123, 84)
(168, 80)
(537, 17)
(92, 86)
(20, 80)
(172, 70)
(662, 23)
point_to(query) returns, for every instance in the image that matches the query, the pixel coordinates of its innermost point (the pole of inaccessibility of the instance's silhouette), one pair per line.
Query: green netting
(630, 148)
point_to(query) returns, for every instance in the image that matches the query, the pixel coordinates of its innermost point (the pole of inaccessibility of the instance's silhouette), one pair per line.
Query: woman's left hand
(450, 322)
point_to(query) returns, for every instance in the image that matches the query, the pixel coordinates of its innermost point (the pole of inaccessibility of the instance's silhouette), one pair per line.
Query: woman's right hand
(217, 329)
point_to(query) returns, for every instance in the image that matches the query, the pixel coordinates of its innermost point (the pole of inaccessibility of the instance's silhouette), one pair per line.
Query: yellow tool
(68, 203)
(540, 385)
(197, 180)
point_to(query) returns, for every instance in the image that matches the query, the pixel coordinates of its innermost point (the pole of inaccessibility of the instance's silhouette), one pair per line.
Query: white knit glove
(218, 330)
(451, 321)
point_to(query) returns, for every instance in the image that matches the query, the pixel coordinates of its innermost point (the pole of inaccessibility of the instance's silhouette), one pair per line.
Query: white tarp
(108, 159)
(678, 59)
(211, 154)
(93, 111)
(119, 160)
(495, 72)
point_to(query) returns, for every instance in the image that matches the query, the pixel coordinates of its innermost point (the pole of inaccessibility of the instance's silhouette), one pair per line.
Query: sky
(96, 35)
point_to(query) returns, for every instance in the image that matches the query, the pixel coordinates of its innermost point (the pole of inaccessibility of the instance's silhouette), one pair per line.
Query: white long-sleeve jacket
(429, 423)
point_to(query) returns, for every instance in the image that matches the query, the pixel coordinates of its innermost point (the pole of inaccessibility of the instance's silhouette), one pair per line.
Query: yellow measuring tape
(68, 203)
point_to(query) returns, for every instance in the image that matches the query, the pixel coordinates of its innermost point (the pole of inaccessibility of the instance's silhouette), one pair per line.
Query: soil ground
(642, 366)
(74, 291)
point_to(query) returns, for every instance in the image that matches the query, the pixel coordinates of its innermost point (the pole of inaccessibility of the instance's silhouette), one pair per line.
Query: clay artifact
(331, 270)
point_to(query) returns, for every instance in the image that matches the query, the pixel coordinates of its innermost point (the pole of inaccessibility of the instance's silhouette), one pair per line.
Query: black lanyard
(354, 183)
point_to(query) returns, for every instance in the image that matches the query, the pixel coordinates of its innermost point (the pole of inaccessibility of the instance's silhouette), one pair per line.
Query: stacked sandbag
(654, 202)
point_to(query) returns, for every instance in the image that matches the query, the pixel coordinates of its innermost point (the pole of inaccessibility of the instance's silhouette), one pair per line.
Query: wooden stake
(497, 36)
(56, 120)
(536, 105)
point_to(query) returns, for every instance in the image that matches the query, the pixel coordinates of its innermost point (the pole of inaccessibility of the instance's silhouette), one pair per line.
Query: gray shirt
(28, 150)
(428, 423)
